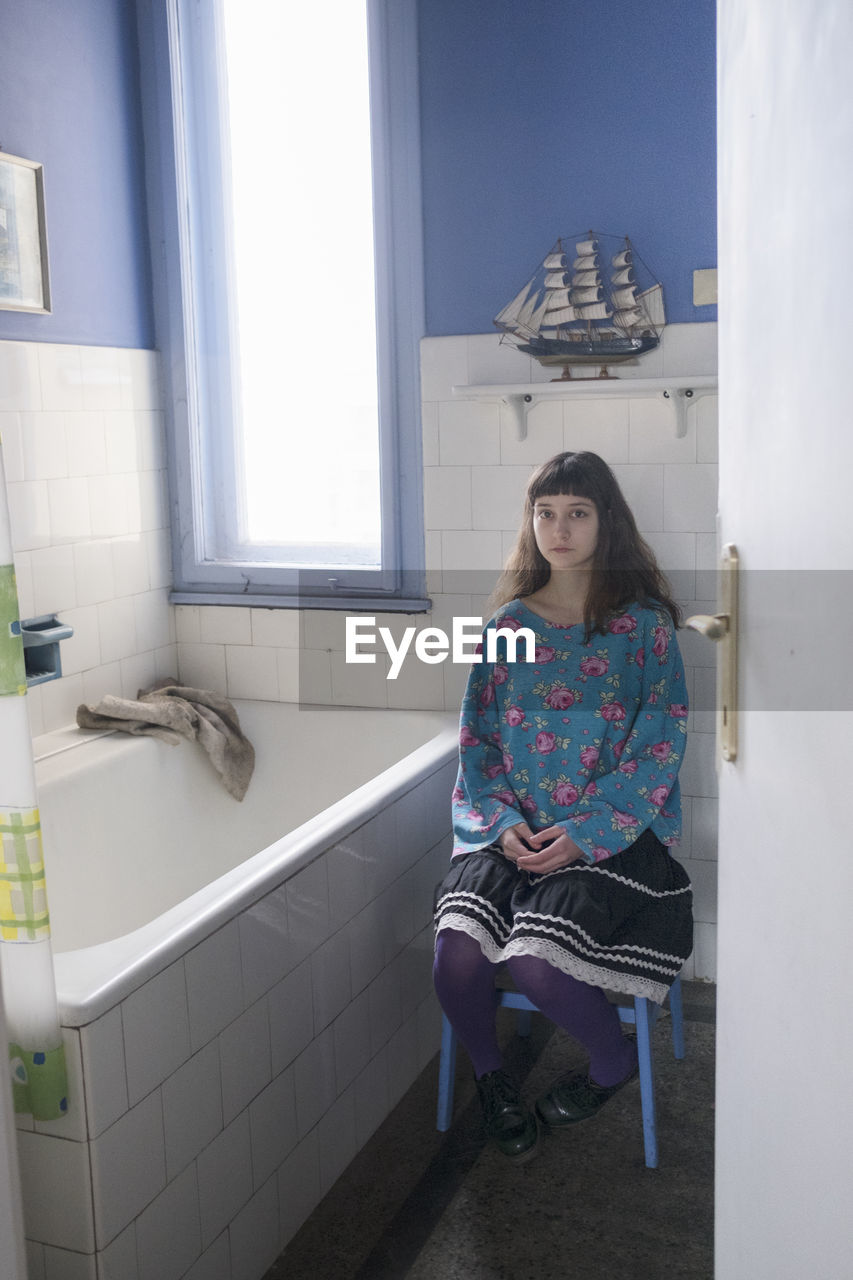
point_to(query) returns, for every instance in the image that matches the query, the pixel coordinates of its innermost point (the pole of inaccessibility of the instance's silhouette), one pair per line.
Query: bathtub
(244, 988)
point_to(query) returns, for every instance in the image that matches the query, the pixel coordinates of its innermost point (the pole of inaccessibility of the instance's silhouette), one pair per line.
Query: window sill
(256, 600)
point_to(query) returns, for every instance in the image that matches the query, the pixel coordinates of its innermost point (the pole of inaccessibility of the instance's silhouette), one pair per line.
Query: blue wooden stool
(643, 1014)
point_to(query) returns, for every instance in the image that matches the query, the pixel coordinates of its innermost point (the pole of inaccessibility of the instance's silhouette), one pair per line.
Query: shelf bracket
(681, 399)
(519, 404)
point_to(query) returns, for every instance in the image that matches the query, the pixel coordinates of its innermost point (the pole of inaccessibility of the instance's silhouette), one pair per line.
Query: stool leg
(644, 1024)
(446, 1076)
(677, 1016)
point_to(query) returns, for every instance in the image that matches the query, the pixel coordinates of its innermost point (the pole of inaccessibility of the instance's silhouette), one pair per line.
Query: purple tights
(465, 984)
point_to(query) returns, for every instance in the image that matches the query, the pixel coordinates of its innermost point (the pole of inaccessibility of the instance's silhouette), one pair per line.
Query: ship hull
(560, 351)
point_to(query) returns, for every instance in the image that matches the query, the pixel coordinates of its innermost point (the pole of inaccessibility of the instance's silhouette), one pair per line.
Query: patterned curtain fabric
(36, 1054)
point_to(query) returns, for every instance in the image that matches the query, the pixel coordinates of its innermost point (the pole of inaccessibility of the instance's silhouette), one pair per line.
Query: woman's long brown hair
(624, 567)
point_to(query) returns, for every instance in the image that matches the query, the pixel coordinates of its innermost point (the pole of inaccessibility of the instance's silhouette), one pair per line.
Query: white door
(785, 1024)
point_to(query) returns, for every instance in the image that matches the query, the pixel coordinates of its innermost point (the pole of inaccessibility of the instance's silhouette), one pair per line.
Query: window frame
(179, 60)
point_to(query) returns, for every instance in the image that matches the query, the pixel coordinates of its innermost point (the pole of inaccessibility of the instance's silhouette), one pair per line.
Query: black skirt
(625, 924)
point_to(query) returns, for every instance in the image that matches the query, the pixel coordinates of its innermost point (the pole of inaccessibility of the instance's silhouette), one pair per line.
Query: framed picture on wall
(23, 237)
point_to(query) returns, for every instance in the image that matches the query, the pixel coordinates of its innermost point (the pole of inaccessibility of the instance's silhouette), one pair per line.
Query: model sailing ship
(582, 314)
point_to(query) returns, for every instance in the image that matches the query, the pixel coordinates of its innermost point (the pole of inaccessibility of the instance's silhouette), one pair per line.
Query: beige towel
(170, 711)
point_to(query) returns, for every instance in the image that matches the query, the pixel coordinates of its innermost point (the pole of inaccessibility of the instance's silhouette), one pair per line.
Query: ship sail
(585, 313)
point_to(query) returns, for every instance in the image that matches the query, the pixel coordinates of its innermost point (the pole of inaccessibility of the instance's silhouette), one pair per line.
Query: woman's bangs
(564, 474)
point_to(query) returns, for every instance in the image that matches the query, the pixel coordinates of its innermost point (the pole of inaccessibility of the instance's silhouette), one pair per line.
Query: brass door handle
(722, 627)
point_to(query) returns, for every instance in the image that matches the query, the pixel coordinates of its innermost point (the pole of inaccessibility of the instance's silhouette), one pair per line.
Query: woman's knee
(458, 956)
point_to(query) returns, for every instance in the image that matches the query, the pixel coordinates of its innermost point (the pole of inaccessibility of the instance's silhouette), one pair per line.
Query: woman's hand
(549, 850)
(516, 841)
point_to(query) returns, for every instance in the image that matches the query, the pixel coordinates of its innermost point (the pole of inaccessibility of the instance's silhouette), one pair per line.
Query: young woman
(567, 800)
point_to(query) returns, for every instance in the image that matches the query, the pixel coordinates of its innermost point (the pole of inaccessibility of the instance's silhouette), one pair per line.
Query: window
(283, 143)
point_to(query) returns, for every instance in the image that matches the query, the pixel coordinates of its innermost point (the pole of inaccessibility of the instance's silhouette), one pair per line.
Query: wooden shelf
(520, 397)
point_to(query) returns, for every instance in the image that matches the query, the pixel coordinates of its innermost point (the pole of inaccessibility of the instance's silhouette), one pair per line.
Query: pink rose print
(500, 675)
(511, 624)
(589, 757)
(560, 698)
(466, 738)
(457, 794)
(545, 742)
(494, 770)
(595, 666)
(507, 762)
(478, 648)
(590, 790)
(514, 715)
(505, 797)
(488, 695)
(600, 853)
(528, 804)
(661, 643)
(544, 653)
(619, 747)
(624, 819)
(564, 793)
(641, 658)
(678, 710)
(628, 766)
(659, 795)
(623, 625)
(613, 711)
(661, 750)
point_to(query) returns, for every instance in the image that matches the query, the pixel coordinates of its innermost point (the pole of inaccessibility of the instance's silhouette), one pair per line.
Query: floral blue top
(589, 736)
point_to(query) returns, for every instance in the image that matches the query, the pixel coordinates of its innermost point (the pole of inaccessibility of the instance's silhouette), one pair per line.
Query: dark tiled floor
(420, 1205)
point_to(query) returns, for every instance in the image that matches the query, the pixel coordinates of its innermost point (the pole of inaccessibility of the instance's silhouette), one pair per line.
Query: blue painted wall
(541, 118)
(69, 97)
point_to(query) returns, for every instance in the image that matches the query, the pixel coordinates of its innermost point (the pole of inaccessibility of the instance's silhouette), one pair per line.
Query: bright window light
(307, 459)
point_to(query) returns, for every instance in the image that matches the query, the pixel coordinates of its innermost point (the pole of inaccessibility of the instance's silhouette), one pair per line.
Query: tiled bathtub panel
(330, 978)
(267, 950)
(291, 1014)
(192, 1108)
(255, 1234)
(224, 1178)
(64, 1264)
(337, 1138)
(347, 878)
(56, 1191)
(128, 1167)
(272, 1124)
(168, 1232)
(245, 1058)
(402, 1060)
(214, 973)
(156, 1031)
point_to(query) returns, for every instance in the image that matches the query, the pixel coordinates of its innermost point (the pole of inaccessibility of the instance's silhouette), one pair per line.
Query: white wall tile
(139, 672)
(299, 1186)
(214, 1263)
(150, 441)
(224, 1178)
(214, 984)
(86, 443)
(251, 672)
(158, 551)
(24, 583)
(54, 585)
(153, 500)
(497, 496)
(121, 442)
(336, 1135)
(707, 441)
(93, 572)
(29, 514)
(543, 438)
(168, 1232)
(314, 1081)
(255, 1234)
(11, 438)
(128, 1167)
(601, 426)
(275, 628)
(468, 433)
(61, 376)
(130, 564)
(266, 950)
(225, 625)
(156, 1030)
(330, 979)
(643, 490)
(447, 498)
(705, 952)
(119, 1260)
(653, 437)
(493, 361)
(56, 1191)
(690, 498)
(188, 624)
(63, 1264)
(703, 877)
(100, 377)
(102, 1044)
(272, 1122)
(192, 1108)
(202, 665)
(152, 619)
(352, 1041)
(139, 379)
(463, 552)
(244, 1054)
(291, 1015)
(359, 684)
(704, 842)
(444, 364)
(429, 433)
(100, 680)
(59, 701)
(44, 445)
(308, 915)
(419, 684)
(20, 387)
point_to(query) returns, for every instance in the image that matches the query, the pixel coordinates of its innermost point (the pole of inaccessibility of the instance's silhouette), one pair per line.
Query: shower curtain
(36, 1054)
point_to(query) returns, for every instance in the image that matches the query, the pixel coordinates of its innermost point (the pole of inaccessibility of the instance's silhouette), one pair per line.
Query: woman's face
(566, 530)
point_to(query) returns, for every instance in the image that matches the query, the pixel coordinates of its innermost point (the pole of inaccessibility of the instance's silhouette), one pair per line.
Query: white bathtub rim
(92, 980)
